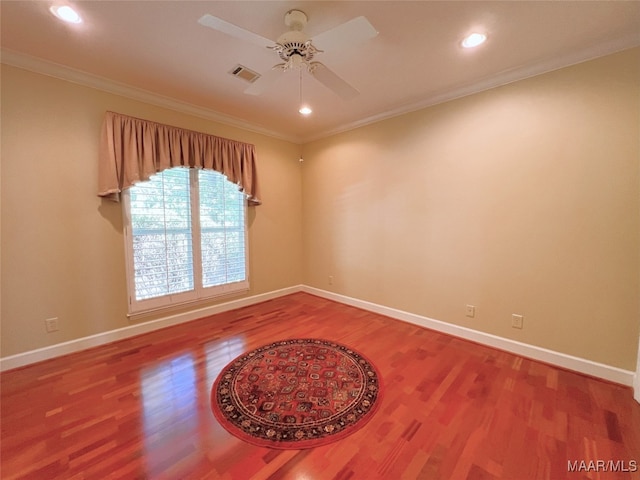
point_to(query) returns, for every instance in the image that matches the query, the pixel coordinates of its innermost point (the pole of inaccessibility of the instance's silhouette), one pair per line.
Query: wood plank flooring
(140, 408)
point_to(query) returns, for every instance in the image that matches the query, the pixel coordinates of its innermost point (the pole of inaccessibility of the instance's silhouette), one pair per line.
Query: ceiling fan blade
(349, 33)
(333, 82)
(264, 82)
(234, 31)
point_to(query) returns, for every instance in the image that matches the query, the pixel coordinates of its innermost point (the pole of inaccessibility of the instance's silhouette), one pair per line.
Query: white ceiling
(416, 60)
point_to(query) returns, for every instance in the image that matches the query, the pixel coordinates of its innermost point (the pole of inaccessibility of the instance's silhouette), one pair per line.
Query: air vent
(244, 73)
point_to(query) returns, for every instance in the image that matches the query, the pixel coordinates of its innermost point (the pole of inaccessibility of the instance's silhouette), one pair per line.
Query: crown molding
(520, 72)
(505, 77)
(45, 67)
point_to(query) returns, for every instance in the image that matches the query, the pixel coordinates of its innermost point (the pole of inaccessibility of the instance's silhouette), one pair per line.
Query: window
(185, 237)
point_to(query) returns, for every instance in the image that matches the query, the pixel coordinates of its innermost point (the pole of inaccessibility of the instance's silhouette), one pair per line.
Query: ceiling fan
(297, 50)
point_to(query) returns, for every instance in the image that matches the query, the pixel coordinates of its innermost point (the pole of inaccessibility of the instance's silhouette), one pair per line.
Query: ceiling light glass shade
(66, 13)
(295, 61)
(305, 110)
(474, 40)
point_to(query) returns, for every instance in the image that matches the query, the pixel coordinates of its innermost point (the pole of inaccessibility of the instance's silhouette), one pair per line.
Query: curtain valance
(131, 150)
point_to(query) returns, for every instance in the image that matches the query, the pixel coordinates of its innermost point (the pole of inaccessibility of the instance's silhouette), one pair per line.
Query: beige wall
(62, 246)
(523, 199)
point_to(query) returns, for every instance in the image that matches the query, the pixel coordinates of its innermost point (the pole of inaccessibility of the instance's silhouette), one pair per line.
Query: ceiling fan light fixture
(296, 61)
(66, 13)
(474, 40)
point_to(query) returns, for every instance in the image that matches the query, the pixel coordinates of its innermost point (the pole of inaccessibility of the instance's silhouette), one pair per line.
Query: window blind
(222, 230)
(185, 237)
(162, 235)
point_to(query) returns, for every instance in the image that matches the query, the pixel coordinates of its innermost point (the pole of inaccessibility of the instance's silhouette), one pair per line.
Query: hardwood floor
(140, 408)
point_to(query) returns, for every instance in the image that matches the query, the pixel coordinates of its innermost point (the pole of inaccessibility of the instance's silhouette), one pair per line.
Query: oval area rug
(295, 394)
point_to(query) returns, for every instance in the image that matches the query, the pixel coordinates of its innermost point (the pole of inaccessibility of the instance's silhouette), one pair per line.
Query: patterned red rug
(296, 394)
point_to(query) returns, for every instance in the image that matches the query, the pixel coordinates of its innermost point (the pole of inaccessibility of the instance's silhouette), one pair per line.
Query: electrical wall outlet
(470, 311)
(330, 279)
(517, 321)
(51, 324)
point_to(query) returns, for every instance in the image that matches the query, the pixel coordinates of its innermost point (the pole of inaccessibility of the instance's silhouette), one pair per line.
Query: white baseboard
(636, 378)
(45, 353)
(582, 365)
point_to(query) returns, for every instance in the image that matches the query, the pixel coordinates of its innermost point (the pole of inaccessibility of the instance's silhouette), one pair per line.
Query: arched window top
(132, 149)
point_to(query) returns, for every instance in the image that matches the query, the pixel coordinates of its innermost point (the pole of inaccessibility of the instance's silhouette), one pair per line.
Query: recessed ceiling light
(66, 13)
(474, 40)
(305, 110)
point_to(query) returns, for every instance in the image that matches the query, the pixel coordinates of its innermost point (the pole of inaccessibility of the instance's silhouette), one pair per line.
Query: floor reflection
(170, 413)
(178, 425)
(219, 354)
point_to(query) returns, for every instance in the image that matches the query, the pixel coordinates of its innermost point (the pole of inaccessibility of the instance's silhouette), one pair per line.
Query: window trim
(199, 294)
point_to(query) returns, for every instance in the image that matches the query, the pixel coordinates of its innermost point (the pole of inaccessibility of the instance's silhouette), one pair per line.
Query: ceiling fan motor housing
(295, 44)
